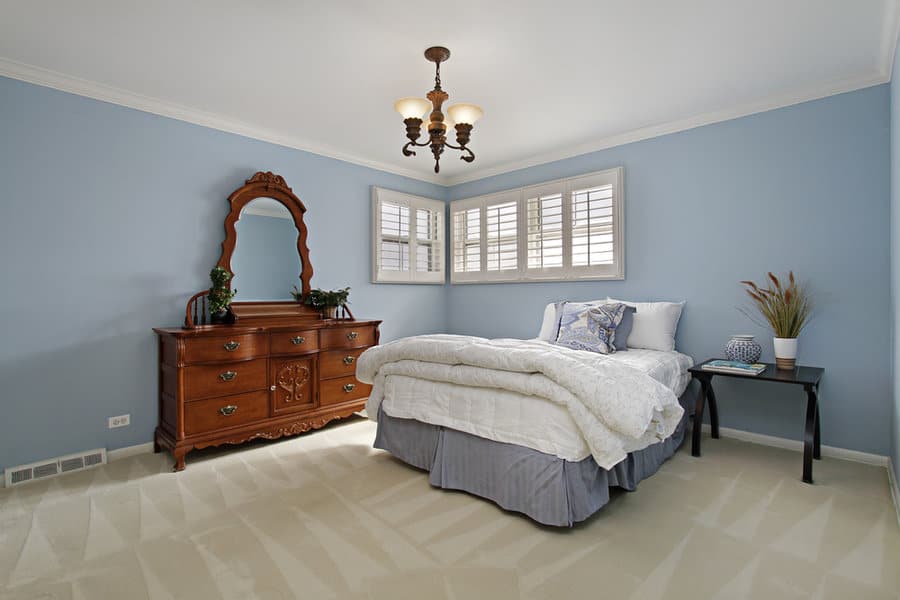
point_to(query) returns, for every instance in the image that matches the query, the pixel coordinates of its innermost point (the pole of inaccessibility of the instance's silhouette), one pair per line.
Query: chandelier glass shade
(417, 112)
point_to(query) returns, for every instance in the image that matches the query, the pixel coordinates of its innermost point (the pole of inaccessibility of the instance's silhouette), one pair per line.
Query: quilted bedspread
(616, 408)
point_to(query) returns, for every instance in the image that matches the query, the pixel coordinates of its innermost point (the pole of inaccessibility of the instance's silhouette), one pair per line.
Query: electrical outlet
(120, 421)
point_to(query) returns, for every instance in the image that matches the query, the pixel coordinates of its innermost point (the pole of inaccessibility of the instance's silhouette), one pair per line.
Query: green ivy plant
(321, 298)
(220, 293)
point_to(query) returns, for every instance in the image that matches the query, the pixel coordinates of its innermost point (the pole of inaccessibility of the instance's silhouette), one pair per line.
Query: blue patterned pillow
(589, 327)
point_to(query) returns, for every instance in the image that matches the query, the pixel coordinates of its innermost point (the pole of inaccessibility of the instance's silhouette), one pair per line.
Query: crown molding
(645, 133)
(113, 95)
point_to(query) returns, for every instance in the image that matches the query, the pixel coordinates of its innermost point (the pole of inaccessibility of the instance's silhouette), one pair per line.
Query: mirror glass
(265, 262)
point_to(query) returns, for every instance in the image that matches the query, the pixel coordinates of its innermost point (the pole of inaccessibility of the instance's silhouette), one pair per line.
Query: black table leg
(713, 411)
(817, 438)
(810, 434)
(698, 417)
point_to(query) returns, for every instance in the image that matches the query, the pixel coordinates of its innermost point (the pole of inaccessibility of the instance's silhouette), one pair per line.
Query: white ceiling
(555, 79)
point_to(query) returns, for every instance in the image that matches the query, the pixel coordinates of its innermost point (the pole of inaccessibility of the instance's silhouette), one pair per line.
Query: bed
(496, 418)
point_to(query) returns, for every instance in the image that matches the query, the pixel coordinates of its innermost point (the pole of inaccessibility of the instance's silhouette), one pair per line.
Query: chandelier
(416, 111)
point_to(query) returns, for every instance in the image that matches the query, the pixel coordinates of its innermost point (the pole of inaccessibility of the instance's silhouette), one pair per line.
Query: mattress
(514, 418)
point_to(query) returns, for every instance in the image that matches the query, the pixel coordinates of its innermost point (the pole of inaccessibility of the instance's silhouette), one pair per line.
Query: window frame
(414, 203)
(567, 187)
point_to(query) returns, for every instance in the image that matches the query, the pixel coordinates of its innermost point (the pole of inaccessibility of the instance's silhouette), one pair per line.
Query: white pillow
(548, 325)
(655, 324)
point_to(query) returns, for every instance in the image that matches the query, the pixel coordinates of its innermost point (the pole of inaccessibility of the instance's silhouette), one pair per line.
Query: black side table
(808, 377)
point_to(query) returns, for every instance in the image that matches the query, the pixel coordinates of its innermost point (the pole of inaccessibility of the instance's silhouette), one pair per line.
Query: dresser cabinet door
(293, 384)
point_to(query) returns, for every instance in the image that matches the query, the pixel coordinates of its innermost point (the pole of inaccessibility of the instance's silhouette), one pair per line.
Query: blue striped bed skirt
(546, 488)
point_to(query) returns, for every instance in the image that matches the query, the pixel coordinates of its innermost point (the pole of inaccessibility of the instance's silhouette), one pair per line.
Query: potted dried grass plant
(786, 308)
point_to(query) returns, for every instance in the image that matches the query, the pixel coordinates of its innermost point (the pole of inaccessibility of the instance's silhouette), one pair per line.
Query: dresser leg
(179, 454)
(810, 434)
(156, 447)
(698, 419)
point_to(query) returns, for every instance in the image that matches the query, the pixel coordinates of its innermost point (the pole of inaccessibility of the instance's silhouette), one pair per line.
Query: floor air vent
(55, 466)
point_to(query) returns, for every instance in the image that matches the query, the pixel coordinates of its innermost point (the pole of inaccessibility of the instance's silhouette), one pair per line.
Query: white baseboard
(129, 451)
(831, 451)
(797, 445)
(895, 491)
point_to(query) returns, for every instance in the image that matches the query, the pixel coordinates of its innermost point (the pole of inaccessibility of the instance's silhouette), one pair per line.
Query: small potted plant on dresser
(786, 308)
(327, 301)
(220, 296)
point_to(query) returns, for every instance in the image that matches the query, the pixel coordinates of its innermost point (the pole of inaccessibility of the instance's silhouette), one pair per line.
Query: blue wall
(265, 260)
(895, 263)
(110, 219)
(805, 188)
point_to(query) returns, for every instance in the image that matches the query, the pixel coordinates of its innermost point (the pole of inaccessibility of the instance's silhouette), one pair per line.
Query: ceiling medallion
(461, 116)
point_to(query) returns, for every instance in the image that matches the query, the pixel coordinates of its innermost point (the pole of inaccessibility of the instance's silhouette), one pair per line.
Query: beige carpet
(325, 516)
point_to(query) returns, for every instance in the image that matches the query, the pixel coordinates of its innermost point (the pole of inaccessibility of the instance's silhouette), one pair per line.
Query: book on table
(733, 366)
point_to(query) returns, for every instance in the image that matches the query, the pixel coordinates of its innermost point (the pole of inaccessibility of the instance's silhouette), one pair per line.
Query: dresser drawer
(219, 413)
(344, 389)
(205, 381)
(347, 337)
(294, 342)
(234, 347)
(338, 363)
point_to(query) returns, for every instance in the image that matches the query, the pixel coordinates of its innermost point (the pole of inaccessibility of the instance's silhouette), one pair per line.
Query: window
(408, 238)
(560, 230)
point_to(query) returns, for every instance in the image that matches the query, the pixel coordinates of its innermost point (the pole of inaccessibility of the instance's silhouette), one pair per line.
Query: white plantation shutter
(597, 230)
(429, 238)
(545, 227)
(485, 234)
(394, 233)
(408, 238)
(467, 241)
(559, 230)
(592, 226)
(501, 234)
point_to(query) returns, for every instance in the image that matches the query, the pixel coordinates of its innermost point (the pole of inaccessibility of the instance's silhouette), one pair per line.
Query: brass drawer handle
(349, 387)
(227, 375)
(352, 335)
(227, 411)
(348, 360)
(298, 340)
(232, 346)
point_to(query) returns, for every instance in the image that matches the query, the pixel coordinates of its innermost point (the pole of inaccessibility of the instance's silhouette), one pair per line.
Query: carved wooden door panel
(293, 384)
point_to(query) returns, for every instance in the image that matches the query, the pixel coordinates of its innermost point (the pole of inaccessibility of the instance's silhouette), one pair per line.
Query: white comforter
(616, 408)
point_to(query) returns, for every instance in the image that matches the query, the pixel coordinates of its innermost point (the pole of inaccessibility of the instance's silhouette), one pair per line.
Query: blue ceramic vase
(743, 348)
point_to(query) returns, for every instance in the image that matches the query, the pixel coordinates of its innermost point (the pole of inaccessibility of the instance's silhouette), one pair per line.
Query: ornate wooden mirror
(264, 197)
(267, 191)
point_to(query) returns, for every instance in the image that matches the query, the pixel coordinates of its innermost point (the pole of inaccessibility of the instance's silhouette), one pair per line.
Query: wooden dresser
(278, 367)
(231, 384)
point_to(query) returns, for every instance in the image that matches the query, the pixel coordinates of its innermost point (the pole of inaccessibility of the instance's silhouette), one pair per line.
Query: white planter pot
(785, 352)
